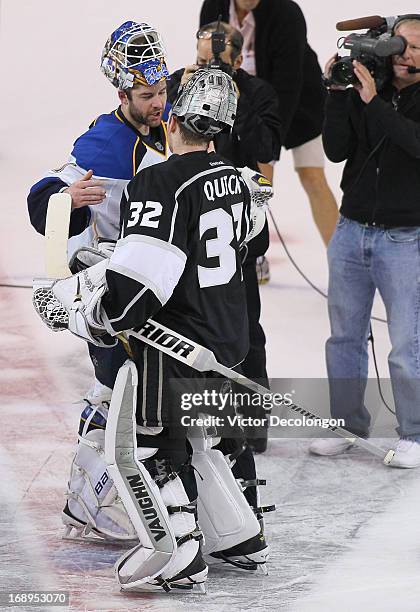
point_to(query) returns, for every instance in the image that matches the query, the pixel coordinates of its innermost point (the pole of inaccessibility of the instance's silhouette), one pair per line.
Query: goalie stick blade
(389, 457)
(57, 235)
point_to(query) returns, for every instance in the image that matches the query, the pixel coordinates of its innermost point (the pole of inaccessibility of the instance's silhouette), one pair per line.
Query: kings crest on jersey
(115, 151)
(178, 254)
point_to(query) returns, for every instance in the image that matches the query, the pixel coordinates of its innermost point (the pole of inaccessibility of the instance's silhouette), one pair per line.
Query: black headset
(400, 18)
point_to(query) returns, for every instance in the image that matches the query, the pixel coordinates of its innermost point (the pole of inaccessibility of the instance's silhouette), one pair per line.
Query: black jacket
(381, 143)
(285, 60)
(256, 134)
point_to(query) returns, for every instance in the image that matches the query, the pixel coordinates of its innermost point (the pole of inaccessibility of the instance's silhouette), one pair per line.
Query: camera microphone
(413, 70)
(374, 21)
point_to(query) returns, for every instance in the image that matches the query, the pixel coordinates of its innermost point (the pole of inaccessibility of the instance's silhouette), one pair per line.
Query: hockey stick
(57, 235)
(165, 340)
(202, 359)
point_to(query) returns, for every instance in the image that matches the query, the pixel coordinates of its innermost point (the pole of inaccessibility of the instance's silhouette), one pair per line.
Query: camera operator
(255, 140)
(376, 244)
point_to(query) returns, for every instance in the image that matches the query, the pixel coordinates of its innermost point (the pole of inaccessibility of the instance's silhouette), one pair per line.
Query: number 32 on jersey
(147, 215)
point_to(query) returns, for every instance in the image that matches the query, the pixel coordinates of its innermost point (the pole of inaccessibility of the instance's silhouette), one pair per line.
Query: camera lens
(342, 72)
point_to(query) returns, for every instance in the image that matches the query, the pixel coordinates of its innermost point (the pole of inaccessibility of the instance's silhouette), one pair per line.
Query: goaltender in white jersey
(104, 159)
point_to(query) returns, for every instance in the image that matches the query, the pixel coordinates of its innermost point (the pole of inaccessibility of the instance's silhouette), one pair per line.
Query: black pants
(254, 365)
(162, 380)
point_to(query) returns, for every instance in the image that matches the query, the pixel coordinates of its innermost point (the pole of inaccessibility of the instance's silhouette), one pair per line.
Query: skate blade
(262, 568)
(80, 534)
(76, 534)
(198, 588)
(253, 566)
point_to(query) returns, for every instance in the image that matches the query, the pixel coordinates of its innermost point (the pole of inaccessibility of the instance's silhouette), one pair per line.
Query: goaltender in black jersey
(183, 222)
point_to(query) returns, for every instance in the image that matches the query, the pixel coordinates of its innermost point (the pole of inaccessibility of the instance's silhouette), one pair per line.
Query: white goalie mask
(134, 53)
(207, 102)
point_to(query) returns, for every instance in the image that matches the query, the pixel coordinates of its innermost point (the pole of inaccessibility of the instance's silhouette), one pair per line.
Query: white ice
(346, 534)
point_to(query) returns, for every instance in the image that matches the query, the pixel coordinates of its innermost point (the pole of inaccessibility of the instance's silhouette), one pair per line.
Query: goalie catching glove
(74, 304)
(261, 191)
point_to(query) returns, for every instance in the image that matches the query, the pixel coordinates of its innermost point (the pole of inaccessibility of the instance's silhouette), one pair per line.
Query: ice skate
(249, 555)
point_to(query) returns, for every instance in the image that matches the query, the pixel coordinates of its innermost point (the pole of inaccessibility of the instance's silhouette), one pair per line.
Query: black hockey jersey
(178, 258)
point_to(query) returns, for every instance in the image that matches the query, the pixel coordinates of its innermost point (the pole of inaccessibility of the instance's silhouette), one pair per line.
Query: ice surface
(346, 535)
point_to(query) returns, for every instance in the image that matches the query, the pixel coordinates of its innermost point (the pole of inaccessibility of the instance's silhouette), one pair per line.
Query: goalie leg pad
(187, 567)
(99, 393)
(224, 514)
(168, 555)
(94, 509)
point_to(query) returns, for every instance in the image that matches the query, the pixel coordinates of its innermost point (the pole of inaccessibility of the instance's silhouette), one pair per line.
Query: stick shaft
(202, 359)
(57, 235)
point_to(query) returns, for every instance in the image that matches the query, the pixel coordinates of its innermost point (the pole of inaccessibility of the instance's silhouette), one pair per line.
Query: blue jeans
(362, 259)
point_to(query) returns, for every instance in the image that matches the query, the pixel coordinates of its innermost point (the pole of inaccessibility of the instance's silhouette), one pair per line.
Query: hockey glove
(79, 297)
(259, 186)
(86, 257)
(261, 190)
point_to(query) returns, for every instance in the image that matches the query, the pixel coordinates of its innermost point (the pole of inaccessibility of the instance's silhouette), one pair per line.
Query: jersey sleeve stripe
(152, 262)
(68, 173)
(156, 242)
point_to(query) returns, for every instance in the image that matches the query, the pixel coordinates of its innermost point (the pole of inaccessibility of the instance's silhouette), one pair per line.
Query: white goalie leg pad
(183, 524)
(139, 493)
(161, 513)
(223, 512)
(131, 566)
(94, 509)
